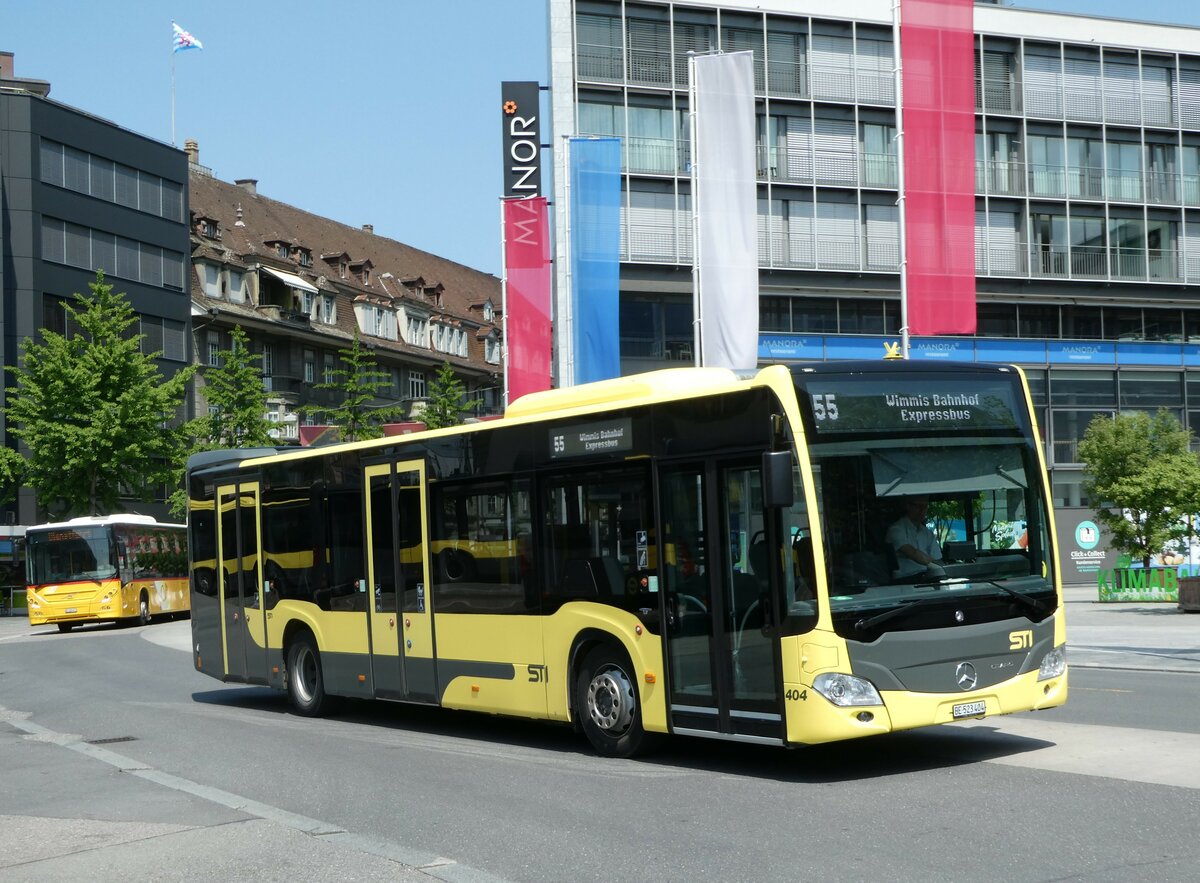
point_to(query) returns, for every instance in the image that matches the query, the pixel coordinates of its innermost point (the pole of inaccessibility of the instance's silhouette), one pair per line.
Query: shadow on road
(941, 747)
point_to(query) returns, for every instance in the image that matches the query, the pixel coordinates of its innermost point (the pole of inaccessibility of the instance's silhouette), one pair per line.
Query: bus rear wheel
(305, 682)
(606, 701)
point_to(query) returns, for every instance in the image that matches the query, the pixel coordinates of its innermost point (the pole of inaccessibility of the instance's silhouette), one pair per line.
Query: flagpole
(900, 182)
(692, 119)
(172, 96)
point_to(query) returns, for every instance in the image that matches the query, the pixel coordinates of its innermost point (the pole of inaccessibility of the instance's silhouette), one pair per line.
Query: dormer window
(210, 228)
(282, 250)
(365, 276)
(342, 267)
(304, 257)
(489, 313)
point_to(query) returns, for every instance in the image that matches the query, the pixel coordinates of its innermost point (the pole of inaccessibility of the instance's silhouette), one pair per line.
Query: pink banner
(526, 296)
(938, 62)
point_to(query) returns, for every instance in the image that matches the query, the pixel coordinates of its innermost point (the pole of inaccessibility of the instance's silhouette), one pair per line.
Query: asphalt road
(118, 761)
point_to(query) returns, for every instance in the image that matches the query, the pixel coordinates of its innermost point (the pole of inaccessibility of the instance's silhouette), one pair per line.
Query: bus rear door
(400, 609)
(722, 657)
(243, 626)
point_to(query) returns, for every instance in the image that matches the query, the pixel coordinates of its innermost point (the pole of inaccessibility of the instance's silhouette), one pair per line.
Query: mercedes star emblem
(966, 676)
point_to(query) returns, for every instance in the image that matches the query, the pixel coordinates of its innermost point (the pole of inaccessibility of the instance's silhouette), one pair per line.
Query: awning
(291, 279)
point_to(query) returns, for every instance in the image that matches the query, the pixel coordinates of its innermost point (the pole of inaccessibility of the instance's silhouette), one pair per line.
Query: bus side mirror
(777, 479)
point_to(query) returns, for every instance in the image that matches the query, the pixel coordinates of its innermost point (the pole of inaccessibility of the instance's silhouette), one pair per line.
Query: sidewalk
(1138, 635)
(1151, 636)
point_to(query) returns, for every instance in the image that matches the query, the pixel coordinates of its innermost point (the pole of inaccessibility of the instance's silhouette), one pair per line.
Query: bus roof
(102, 520)
(634, 389)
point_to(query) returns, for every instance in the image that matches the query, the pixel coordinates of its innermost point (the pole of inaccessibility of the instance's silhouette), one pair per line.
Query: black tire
(607, 704)
(305, 680)
(144, 609)
(456, 565)
(65, 627)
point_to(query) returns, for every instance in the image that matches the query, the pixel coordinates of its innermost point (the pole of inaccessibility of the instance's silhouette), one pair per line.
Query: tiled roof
(265, 220)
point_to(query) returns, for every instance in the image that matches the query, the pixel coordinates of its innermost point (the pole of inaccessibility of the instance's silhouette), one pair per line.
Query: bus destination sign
(589, 439)
(916, 405)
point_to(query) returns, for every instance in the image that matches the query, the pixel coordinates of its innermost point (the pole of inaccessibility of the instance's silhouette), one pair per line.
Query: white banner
(724, 202)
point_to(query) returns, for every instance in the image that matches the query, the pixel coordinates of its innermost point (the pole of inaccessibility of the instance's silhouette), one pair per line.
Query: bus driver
(917, 549)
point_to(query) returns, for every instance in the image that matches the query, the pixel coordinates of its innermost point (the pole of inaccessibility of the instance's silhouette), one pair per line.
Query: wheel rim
(610, 701)
(304, 676)
(144, 611)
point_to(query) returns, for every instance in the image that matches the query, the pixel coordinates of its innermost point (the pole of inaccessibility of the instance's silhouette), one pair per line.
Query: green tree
(1143, 480)
(360, 382)
(446, 406)
(237, 402)
(94, 411)
(236, 399)
(12, 471)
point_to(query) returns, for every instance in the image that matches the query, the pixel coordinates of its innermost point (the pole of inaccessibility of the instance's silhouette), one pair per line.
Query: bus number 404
(794, 695)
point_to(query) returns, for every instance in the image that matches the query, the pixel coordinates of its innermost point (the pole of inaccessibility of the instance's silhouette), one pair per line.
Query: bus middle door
(401, 619)
(723, 664)
(243, 623)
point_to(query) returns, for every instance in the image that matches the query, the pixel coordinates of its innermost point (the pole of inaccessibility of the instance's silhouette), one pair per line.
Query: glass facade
(1087, 171)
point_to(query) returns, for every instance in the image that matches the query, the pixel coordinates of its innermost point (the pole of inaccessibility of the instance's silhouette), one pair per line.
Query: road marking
(426, 862)
(1155, 757)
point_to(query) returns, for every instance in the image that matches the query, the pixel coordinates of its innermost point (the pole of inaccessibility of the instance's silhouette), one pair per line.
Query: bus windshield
(931, 495)
(65, 554)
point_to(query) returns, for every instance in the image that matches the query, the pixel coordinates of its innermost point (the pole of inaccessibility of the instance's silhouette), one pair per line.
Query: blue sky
(383, 113)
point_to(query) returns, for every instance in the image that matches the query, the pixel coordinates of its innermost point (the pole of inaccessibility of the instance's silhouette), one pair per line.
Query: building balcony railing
(1086, 262)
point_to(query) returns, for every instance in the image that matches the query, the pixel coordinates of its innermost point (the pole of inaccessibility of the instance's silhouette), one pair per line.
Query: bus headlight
(846, 690)
(1053, 664)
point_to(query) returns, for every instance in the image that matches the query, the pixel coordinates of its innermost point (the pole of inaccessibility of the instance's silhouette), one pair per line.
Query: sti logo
(1087, 535)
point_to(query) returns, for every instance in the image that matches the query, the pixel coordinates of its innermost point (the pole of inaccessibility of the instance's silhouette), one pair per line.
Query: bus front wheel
(65, 627)
(606, 700)
(144, 610)
(305, 682)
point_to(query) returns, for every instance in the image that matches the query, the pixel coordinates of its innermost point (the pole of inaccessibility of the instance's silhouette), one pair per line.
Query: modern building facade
(78, 194)
(1087, 246)
(302, 286)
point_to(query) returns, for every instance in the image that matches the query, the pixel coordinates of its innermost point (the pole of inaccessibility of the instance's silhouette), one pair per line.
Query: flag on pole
(183, 40)
(723, 186)
(595, 187)
(527, 291)
(937, 46)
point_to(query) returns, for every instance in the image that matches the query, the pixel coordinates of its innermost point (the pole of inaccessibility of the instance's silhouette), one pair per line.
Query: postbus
(105, 568)
(688, 551)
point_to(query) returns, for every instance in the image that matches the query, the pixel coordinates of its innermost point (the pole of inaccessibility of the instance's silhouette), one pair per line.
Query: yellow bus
(104, 568)
(690, 551)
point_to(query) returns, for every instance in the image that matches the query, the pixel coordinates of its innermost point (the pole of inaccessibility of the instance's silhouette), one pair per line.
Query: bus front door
(243, 626)
(722, 655)
(400, 609)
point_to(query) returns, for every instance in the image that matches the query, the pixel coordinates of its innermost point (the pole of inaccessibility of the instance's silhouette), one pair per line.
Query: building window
(209, 228)
(310, 366)
(210, 279)
(327, 375)
(237, 292)
(305, 257)
(489, 312)
(267, 365)
(214, 349)
(416, 384)
(281, 250)
(327, 314)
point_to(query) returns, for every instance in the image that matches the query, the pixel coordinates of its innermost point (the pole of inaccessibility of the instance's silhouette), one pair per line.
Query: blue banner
(1081, 352)
(595, 254)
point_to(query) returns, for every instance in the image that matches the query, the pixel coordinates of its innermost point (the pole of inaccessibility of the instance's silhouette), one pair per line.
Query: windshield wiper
(1030, 602)
(904, 607)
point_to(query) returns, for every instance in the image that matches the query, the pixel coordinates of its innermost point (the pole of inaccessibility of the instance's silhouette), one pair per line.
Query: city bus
(104, 568)
(689, 551)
